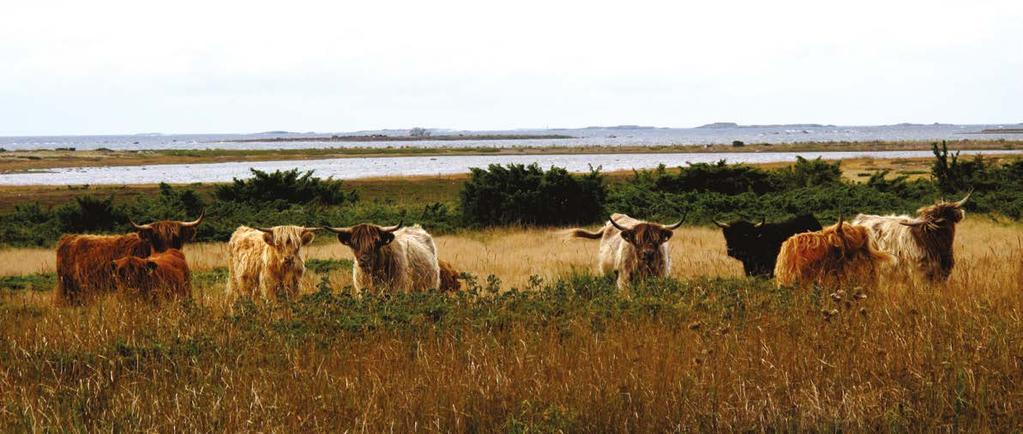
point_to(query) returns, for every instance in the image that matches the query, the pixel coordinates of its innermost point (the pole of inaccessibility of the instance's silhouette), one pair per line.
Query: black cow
(757, 244)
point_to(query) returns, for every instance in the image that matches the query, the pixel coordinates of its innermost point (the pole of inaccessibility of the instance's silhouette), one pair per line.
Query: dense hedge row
(530, 195)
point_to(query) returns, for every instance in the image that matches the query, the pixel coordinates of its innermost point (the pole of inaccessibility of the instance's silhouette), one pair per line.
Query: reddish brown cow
(83, 261)
(448, 277)
(841, 254)
(159, 276)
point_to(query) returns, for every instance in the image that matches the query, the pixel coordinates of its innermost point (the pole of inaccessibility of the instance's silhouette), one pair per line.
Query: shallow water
(351, 168)
(609, 136)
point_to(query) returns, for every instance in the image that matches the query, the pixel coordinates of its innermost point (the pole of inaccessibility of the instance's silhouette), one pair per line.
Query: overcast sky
(100, 66)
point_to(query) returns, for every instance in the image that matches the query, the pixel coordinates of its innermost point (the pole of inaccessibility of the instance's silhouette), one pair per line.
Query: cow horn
(615, 224)
(338, 230)
(722, 225)
(312, 229)
(196, 221)
(138, 226)
(963, 200)
(267, 230)
(839, 227)
(914, 223)
(394, 228)
(762, 221)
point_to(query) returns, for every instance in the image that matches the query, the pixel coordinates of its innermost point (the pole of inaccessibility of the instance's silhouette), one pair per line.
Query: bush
(89, 214)
(518, 194)
(281, 189)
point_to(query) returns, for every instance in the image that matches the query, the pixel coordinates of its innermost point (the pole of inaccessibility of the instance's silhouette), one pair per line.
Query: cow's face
(742, 239)
(132, 271)
(366, 242)
(647, 238)
(167, 234)
(287, 241)
(745, 241)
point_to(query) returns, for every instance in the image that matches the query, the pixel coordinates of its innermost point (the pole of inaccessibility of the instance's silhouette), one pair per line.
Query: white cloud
(201, 66)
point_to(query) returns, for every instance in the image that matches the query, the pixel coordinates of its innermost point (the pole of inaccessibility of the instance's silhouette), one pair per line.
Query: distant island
(735, 125)
(1000, 131)
(407, 138)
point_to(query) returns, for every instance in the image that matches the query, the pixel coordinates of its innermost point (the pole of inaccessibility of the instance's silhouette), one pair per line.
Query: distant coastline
(407, 138)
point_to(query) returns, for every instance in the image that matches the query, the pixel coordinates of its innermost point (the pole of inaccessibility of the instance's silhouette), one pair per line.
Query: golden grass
(712, 359)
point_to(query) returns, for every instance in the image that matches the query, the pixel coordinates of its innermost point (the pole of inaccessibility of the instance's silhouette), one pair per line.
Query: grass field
(703, 350)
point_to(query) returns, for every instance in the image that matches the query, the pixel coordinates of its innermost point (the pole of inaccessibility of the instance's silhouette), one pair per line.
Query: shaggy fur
(924, 250)
(267, 264)
(159, 276)
(839, 254)
(402, 260)
(637, 253)
(448, 277)
(83, 261)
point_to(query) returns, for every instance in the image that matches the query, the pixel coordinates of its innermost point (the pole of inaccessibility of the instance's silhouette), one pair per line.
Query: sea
(625, 135)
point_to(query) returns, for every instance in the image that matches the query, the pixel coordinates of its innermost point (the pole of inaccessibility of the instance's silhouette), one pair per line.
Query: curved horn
(674, 226)
(721, 224)
(839, 227)
(395, 227)
(913, 223)
(138, 226)
(317, 229)
(337, 230)
(962, 201)
(615, 224)
(762, 221)
(196, 221)
(267, 230)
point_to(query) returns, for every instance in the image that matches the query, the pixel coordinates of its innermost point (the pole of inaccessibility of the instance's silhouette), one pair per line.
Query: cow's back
(84, 263)
(172, 276)
(245, 262)
(420, 254)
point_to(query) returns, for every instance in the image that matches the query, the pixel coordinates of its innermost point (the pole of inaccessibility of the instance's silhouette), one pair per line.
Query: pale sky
(108, 67)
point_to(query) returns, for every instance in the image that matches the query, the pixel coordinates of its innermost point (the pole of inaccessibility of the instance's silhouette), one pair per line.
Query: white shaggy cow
(392, 258)
(922, 245)
(267, 262)
(633, 248)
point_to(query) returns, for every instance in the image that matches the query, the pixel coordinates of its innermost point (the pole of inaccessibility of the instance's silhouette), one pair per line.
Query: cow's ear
(151, 266)
(629, 236)
(668, 234)
(386, 238)
(268, 237)
(345, 238)
(308, 237)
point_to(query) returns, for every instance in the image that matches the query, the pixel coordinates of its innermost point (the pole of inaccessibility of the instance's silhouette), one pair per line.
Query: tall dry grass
(722, 355)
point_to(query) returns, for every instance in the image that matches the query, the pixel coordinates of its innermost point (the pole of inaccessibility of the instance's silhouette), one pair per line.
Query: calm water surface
(352, 168)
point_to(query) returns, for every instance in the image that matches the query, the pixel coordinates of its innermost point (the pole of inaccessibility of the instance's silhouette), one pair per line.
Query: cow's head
(287, 241)
(941, 215)
(744, 241)
(647, 238)
(167, 234)
(365, 240)
(132, 271)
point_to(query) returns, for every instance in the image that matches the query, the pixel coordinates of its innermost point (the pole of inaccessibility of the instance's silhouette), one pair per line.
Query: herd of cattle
(268, 262)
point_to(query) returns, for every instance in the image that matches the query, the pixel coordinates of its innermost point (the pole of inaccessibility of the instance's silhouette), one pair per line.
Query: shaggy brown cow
(448, 277)
(923, 245)
(391, 258)
(836, 255)
(159, 276)
(83, 260)
(633, 248)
